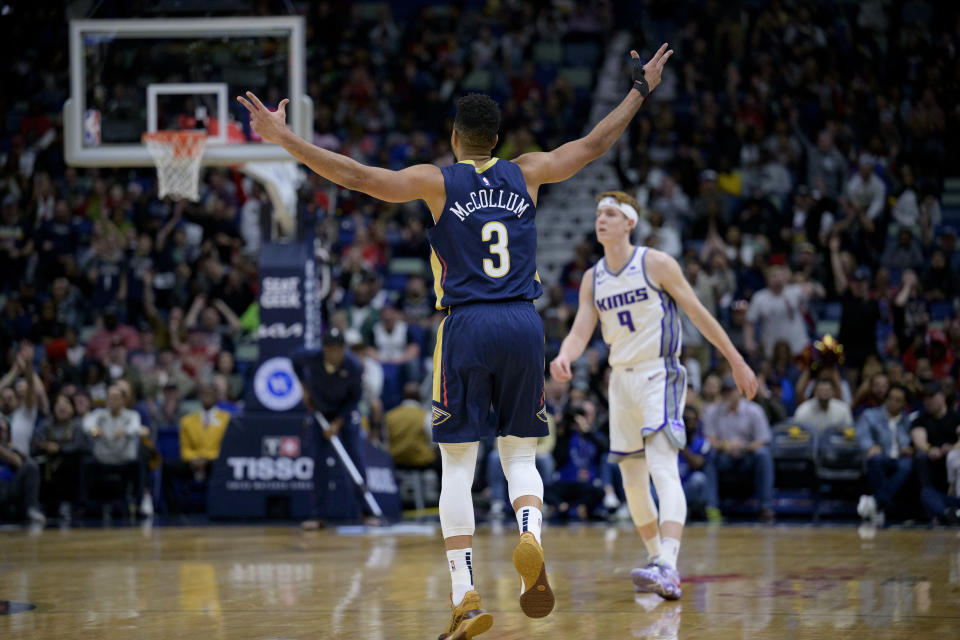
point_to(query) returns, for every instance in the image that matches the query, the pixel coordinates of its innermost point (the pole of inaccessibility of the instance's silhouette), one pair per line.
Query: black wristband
(639, 78)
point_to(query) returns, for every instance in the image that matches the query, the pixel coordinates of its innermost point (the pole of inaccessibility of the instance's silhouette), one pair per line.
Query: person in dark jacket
(60, 443)
(332, 382)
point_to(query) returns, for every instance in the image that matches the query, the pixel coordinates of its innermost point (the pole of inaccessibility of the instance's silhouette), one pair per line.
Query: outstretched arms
(583, 325)
(543, 167)
(419, 182)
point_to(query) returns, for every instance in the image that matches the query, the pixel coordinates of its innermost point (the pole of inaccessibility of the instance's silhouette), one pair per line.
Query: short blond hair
(620, 196)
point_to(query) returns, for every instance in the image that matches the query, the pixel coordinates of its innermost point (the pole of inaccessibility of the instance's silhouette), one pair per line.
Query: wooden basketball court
(259, 583)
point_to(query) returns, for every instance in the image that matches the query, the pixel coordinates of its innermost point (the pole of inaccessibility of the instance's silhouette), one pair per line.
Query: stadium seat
(832, 311)
(406, 266)
(168, 443)
(838, 455)
(940, 311)
(395, 282)
(794, 450)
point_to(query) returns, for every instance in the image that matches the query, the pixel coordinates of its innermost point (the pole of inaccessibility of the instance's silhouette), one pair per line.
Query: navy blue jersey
(485, 244)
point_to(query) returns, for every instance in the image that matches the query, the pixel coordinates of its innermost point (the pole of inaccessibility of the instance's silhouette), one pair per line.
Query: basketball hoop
(177, 156)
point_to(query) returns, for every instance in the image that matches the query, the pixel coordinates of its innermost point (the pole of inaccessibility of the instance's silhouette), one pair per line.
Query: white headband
(623, 207)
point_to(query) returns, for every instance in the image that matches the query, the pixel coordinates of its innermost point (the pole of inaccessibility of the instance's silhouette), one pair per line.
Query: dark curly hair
(478, 120)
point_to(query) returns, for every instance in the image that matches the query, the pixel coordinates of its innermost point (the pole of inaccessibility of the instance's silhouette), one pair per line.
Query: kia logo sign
(280, 331)
(276, 385)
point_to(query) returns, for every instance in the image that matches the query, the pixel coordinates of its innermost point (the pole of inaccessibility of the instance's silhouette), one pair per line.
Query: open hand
(647, 77)
(269, 125)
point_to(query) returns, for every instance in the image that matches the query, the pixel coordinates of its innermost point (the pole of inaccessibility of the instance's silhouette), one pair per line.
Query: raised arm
(419, 182)
(583, 326)
(544, 167)
(665, 270)
(839, 277)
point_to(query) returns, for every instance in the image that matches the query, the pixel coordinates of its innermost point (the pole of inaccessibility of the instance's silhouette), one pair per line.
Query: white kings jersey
(639, 321)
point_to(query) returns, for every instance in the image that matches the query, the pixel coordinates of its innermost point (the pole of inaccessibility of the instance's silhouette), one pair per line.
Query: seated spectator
(115, 432)
(823, 409)
(409, 431)
(110, 330)
(201, 434)
(883, 434)
(905, 254)
(168, 371)
(225, 401)
(60, 442)
(865, 190)
(935, 434)
(395, 342)
(19, 480)
(872, 393)
(580, 454)
(697, 472)
(416, 304)
(227, 367)
(739, 433)
(940, 282)
(935, 348)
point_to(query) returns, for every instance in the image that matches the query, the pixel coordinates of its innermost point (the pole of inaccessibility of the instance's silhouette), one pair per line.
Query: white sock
(530, 519)
(669, 550)
(652, 545)
(461, 573)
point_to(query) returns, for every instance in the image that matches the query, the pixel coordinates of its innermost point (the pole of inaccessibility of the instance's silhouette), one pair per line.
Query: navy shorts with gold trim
(489, 356)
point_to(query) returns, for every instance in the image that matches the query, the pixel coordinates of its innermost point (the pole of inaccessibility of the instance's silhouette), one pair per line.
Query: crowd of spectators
(793, 161)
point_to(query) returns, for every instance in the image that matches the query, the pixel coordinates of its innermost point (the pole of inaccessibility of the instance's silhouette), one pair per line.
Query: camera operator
(579, 454)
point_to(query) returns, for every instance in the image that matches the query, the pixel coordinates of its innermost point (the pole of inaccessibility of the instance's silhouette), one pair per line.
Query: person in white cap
(635, 292)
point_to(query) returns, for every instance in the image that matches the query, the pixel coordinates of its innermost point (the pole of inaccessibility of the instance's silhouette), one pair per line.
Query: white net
(177, 155)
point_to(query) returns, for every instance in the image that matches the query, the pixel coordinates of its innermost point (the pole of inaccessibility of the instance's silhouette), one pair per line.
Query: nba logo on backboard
(91, 127)
(281, 447)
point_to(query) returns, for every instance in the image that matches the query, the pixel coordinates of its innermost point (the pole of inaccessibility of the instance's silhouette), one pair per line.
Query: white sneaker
(146, 505)
(611, 501)
(867, 507)
(64, 512)
(878, 519)
(497, 507)
(623, 513)
(35, 516)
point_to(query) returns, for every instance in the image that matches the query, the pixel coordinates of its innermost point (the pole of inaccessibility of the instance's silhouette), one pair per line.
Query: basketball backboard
(128, 77)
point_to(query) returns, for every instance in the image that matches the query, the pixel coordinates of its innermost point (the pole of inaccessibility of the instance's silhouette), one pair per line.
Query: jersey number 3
(498, 248)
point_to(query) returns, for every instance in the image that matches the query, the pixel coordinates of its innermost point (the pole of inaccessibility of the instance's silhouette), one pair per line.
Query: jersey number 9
(498, 248)
(626, 320)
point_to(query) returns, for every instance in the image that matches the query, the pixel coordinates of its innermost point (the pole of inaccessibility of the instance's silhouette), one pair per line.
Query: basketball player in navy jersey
(489, 348)
(634, 292)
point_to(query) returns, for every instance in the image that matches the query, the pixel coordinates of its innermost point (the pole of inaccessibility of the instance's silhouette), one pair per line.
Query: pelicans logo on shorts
(439, 416)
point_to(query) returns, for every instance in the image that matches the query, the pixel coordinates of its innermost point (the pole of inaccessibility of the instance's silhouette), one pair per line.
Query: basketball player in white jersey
(635, 292)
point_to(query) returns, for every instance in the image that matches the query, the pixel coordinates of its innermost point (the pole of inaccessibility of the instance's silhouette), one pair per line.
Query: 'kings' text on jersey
(639, 321)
